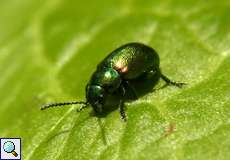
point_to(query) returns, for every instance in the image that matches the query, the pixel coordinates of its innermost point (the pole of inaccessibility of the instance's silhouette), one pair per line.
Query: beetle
(113, 74)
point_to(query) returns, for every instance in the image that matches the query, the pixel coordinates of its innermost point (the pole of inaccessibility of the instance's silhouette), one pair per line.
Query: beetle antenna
(62, 104)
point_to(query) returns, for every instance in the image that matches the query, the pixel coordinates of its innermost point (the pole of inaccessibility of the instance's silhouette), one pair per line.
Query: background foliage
(49, 48)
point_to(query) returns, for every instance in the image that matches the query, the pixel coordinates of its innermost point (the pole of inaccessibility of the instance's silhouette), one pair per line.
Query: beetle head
(96, 97)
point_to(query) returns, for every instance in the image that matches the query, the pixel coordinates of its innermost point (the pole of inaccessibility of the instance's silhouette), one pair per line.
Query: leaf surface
(49, 49)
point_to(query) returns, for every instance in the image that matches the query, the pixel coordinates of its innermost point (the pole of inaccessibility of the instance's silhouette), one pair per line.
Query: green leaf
(49, 49)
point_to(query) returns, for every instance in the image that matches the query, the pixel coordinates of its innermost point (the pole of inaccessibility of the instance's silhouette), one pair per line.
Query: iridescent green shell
(131, 60)
(107, 78)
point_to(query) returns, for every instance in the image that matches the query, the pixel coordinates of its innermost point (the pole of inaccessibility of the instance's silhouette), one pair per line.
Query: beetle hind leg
(170, 82)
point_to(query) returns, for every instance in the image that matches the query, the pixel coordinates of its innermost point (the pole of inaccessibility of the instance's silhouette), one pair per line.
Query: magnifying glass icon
(9, 147)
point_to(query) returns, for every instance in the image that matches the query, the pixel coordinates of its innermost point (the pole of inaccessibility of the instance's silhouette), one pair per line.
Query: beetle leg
(133, 91)
(121, 105)
(170, 82)
(122, 110)
(82, 107)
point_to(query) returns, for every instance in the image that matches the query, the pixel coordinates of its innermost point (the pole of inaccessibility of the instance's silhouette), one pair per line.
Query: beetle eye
(100, 99)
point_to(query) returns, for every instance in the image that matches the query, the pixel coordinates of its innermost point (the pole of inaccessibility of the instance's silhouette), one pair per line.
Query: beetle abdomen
(132, 60)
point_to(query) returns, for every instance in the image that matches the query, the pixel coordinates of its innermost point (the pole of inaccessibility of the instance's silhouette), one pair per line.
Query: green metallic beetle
(113, 74)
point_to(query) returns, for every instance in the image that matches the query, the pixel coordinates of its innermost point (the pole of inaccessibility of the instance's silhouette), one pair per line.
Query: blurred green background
(49, 49)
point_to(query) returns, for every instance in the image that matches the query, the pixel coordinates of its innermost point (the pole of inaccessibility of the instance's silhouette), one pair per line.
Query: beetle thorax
(107, 78)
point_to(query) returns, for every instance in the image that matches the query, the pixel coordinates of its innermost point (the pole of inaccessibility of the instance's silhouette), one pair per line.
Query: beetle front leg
(121, 105)
(122, 110)
(170, 82)
(82, 107)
